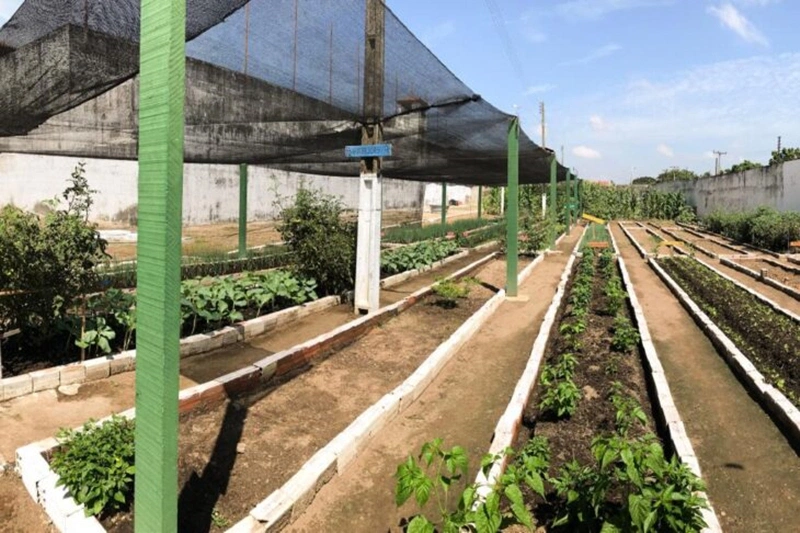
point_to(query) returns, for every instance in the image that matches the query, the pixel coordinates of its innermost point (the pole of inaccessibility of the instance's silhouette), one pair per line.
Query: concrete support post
(243, 210)
(512, 222)
(567, 205)
(368, 248)
(444, 204)
(502, 200)
(553, 201)
(158, 308)
(480, 202)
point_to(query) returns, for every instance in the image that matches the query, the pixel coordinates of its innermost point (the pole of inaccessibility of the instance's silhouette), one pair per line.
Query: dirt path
(781, 298)
(462, 405)
(753, 474)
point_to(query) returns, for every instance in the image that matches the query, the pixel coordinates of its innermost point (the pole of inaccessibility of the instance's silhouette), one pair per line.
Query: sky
(631, 87)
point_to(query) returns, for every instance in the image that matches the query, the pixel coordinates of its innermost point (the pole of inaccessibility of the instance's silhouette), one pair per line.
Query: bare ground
(462, 405)
(752, 473)
(42, 414)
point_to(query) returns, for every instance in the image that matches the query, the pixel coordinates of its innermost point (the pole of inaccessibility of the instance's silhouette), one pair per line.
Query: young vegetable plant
(96, 464)
(626, 336)
(449, 291)
(561, 398)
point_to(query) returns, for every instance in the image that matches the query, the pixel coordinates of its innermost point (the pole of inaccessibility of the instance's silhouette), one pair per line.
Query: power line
(508, 47)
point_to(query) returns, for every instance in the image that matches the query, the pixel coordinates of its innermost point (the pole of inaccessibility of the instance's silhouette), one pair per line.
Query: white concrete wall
(776, 186)
(210, 192)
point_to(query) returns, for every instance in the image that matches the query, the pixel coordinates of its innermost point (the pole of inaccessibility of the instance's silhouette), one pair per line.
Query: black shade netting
(273, 82)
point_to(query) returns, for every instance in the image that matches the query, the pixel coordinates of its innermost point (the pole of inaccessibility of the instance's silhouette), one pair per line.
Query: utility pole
(368, 248)
(541, 112)
(562, 156)
(779, 143)
(718, 164)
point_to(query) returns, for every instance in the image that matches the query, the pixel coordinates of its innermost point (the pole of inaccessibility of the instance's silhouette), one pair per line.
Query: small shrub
(626, 336)
(449, 291)
(561, 398)
(96, 464)
(323, 243)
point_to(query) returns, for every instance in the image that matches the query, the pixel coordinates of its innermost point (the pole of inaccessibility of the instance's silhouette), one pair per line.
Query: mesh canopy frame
(273, 82)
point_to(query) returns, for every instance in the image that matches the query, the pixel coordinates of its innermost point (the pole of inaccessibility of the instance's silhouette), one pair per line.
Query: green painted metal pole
(161, 120)
(243, 210)
(567, 206)
(553, 201)
(444, 204)
(480, 202)
(512, 212)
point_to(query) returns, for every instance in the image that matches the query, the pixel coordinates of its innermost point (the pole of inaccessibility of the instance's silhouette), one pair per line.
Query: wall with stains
(210, 192)
(775, 186)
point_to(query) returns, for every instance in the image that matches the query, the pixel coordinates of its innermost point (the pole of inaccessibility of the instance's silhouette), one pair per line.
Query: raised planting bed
(415, 232)
(588, 455)
(782, 276)
(240, 432)
(769, 339)
(705, 233)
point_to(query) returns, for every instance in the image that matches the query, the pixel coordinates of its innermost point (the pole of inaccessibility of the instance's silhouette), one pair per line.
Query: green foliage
(449, 291)
(561, 398)
(763, 227)
(415, 232)
(786, 154)
(677, 174)
(743, 166)
(416, 256)
(96, 464)
(322, 242)
(620, 203)
(626, 336)
(628, 411)
(210, 303)
(645, 180)
(47, 263)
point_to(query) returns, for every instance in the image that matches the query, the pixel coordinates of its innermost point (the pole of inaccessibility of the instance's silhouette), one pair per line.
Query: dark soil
(599, 366)
(747, 321)
(233, 456)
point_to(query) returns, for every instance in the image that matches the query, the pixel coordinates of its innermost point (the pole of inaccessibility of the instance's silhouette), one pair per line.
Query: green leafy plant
(561, 398)
(449, 291)
(626, 336)
(96, 464)
(416, 256)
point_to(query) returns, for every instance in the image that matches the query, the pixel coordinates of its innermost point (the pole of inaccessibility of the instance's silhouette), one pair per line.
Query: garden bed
(593, 408)
(767, 338)
(783, 274)
(316, 396)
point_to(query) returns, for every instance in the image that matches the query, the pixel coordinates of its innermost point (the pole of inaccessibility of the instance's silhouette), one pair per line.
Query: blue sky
(648, 84)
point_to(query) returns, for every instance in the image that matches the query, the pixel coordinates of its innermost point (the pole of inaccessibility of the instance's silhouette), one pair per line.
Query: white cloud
(597, 53)
(592, 9)
(438, 33)
(537, 89)
(665, 150)
(731, 18)
(597, 123)
(585, 152)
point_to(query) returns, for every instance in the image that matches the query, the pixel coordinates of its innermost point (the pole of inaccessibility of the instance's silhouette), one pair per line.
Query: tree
(743, 166)
(644, 180)
(786, 154)
(676, 174)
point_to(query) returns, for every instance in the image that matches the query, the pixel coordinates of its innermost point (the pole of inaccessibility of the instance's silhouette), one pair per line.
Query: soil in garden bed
(235, 455)
(598, 368)
(769, 339)
(786, 276)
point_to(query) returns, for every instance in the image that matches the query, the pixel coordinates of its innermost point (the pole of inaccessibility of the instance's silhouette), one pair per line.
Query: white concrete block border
(794, 293)
(694, 231)
(507, 428)
(284, 505)
(771, 399)
(634, 242)
(68, 516)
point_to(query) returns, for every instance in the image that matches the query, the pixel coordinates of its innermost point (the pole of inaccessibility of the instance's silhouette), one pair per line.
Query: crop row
(769, 339)
(415, 256)
(416, 232)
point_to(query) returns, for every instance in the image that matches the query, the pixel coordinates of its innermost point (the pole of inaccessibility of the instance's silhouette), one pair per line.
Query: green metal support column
(480, 202)
(162, 84)
(567, 205)
(243, 210)
(512, 223)
(553, 201)
(580, 197)
(575, 209)
(444, 204)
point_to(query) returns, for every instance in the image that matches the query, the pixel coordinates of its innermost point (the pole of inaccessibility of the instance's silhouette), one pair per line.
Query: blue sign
(368, 150)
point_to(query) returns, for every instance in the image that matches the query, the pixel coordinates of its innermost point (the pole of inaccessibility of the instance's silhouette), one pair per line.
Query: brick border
(794, 293)
(284, 505)
(68, 516)
(771, 399)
